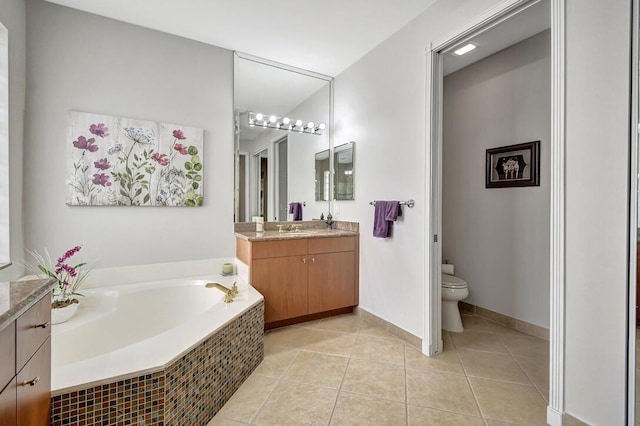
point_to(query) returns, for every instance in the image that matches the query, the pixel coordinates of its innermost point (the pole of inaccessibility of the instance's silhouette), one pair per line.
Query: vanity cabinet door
(8, 405)
(331, 281)
(283, 283)
(34, 388)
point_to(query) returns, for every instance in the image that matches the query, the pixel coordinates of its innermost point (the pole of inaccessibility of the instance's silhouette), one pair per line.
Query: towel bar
(408, 203)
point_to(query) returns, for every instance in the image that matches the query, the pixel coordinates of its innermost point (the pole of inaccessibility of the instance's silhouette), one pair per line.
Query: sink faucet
(329, 221)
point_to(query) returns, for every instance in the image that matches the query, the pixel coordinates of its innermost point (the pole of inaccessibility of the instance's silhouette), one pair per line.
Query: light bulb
(298, 123)
(321, 126)
(272, 119)
(310, 125)
(259, 117)
(285, 120)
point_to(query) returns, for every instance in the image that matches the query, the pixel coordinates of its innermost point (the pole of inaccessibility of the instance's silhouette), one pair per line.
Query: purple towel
(296, 209)
(386, 212)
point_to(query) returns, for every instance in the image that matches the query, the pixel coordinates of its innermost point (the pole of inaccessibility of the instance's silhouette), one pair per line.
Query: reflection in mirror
(344, 174)
(282, 119)
(323, 175)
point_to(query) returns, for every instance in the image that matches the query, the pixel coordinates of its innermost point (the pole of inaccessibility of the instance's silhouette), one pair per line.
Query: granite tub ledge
(17, 297)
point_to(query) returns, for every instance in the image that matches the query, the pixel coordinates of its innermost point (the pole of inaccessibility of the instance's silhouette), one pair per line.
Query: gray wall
(78, 61)
(498, 238)
(597, 182)
(12, 15)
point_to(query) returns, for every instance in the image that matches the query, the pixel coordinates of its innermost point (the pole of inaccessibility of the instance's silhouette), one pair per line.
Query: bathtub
(144, 330)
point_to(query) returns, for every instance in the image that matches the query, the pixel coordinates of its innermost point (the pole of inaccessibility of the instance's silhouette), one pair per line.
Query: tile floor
(345, 371)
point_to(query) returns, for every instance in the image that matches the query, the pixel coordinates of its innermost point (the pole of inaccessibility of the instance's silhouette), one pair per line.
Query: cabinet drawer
(7, 354)
(34, 401)
(331, 245)
(32, 328)
(8, 404)
(266, 249)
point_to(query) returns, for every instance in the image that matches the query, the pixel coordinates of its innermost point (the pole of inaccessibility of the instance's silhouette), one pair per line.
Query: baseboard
(506, 321)
(400, 333)
(554, 418)
(569, 420)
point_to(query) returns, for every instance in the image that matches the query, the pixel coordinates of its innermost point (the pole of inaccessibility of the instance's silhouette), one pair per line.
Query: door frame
(275, 145)
(432, 344)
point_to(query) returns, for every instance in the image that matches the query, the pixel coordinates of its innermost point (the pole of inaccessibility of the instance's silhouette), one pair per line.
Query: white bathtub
(137, 328)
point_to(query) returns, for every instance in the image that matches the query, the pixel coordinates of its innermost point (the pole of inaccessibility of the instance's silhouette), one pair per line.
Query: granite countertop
(289, 235)
(17, 297)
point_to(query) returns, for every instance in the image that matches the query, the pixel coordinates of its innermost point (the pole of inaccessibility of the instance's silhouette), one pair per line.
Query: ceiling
(526, 23)
(324, 36)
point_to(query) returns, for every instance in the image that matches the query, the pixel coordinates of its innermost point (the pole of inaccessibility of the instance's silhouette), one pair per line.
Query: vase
(60, 315)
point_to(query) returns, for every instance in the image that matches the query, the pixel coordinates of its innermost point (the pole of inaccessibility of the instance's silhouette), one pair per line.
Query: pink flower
(180, 148)
(101, 179)
(68, 254)
(99, 130)
(161, 159)
(83, 143)
(178, 134)
(68, 269)
(102, 164)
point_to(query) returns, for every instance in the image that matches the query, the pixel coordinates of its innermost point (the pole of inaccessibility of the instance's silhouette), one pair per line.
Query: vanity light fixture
(465, 49)
(274, 122)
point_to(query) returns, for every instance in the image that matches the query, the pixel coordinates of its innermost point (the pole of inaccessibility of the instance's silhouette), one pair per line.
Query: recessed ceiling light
(465, 49)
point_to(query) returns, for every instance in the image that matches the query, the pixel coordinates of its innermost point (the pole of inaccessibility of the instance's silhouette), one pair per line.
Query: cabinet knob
(43, 325)
(31, 382)
(313, 259)
(304, 260)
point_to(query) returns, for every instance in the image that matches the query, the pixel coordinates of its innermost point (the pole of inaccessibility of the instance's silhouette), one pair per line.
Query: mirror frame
(5, 227)
(237, 56)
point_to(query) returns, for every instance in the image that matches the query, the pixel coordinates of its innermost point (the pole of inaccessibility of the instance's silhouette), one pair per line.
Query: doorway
(262, 180)
(505, 13)
(282, 185)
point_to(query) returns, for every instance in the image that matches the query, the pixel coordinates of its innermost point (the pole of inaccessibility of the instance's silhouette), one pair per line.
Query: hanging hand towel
(386, 212)
(296, 210)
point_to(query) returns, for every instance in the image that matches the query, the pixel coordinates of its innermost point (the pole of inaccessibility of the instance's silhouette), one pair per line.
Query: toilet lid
(449, 281)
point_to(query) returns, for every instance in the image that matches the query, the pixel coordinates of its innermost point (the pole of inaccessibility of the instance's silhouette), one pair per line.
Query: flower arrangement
(68, 278)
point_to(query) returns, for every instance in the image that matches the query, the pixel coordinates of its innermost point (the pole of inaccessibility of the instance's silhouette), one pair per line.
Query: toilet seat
(450, 281)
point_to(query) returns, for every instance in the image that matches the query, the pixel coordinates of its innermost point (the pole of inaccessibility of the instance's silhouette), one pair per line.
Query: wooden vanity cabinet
(26, 398)
(302, 277)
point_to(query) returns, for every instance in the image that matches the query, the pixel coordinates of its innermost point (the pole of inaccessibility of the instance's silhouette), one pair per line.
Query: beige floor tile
(477, 341)
(492, 366)
(448, 392)
(245, 403)
(372, 330)
(525, 345)
(293, 337)
(476, 323)
(509, 402)
(447, 361)
(317, 369)
(349, 323)
(420, 416)
(331, 342)
(447, 341)
(376, 379)
(377, 349)
(297, 404)
(219, 421)
(276, 361)
(537, 369)
(499, 423)
(358, 410)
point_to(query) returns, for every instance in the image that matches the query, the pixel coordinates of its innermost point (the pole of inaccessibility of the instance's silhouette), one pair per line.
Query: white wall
(498, 238)
(78, 61)
(380, 104)
(597, 175)
(12, 15)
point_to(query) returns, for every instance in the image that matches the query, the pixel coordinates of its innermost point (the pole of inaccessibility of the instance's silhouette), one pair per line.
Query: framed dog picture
(513, 165)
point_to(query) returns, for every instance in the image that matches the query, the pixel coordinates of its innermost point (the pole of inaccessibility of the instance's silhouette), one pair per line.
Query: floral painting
(115, 161)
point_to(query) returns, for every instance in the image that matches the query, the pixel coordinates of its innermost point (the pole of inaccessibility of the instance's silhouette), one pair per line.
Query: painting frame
(502, 169)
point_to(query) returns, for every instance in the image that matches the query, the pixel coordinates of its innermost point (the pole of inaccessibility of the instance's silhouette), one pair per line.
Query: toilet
(454, 289)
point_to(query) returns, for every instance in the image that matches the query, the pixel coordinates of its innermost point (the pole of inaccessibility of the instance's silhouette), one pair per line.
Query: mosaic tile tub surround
(188, 391)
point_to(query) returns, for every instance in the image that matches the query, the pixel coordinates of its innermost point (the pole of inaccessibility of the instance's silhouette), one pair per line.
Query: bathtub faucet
(229, 293)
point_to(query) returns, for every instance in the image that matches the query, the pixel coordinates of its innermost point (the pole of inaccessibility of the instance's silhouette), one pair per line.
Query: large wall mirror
(282, 120)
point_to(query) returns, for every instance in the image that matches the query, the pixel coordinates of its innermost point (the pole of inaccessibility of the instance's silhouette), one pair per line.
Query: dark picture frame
(513, 166)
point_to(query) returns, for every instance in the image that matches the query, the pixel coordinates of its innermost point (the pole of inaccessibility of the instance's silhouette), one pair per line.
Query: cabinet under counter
(303, 279)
